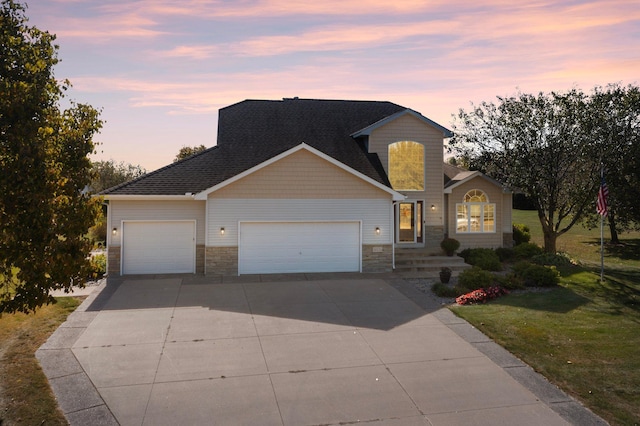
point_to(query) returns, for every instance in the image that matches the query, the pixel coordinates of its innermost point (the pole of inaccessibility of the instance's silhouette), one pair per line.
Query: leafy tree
(536, 144)
(615, 142)
(461, 161)
(109, 173)
(188, 151)
(45, 209)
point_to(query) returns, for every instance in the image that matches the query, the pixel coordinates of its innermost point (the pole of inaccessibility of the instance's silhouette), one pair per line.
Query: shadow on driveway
(382, 302)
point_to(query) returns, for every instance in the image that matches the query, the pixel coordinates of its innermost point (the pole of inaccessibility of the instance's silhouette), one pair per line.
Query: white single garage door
(299, 247)
(158, 247)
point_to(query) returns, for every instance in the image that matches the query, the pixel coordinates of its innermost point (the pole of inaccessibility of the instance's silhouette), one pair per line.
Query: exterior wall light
(433, 207)
(222, 231)
(114, 231)
(377, 230)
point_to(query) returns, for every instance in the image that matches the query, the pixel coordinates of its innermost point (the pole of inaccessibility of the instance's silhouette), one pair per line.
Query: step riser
(421, 269)
(430, 262)
(414, 264)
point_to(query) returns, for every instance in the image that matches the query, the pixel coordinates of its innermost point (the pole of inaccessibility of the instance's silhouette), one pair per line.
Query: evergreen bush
(483, 258)
(536, 275)
(505, 254)
(474, 278)
(527, 250)
(521, 233)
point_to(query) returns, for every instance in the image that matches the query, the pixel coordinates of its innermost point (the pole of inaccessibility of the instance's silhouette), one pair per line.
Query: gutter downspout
(393, 235)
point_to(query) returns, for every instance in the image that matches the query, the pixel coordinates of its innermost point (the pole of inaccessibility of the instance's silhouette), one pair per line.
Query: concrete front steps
(416, 263)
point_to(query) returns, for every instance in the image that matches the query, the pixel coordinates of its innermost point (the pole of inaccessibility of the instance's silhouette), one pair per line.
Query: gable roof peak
(202, 195)
(367, 130)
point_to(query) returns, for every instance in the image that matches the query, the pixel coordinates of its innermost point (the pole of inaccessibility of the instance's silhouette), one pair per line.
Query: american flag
(603, 194)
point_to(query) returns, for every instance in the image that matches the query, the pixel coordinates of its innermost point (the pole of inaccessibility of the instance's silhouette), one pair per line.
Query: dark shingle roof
(253, 131)
(451, 171)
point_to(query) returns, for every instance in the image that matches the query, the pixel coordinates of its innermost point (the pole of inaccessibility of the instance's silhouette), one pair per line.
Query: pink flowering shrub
(481, 295)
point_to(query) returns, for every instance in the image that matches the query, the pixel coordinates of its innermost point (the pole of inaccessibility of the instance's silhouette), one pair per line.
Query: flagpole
(601, 248)
(602, 229)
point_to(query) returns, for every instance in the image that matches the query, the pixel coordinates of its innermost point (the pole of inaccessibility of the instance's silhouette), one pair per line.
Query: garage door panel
(158, 247)
(299, 247)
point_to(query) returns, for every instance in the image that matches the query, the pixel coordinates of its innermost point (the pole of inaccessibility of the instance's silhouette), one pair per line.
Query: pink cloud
(105, 28)
(317, 40)
(268, 8)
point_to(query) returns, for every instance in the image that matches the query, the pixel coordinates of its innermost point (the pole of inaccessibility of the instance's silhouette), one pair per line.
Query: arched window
(406, 166)
(475, 213)
(475, 196)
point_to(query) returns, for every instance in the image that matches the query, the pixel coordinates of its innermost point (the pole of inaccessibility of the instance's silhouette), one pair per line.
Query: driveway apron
(287, 350)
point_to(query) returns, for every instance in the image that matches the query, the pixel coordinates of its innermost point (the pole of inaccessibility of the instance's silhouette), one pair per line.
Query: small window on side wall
(475, 214)
(406, 166)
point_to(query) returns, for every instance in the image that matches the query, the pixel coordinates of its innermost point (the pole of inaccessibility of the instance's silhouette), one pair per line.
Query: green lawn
(583, 336)
(25, 395)
(584, 244)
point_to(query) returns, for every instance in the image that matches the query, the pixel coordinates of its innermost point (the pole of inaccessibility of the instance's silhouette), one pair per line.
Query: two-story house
(304, 185)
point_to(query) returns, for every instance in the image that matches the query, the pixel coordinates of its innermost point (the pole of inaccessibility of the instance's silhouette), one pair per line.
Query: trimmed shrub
(443, 290)
(505, 254)
(520, 267)
(465, 254)
(551, 259)
(510, 281)
(483, 258)
(521, 233)
(474, 278)
(450, 245)
(536, 275)
(527, 250)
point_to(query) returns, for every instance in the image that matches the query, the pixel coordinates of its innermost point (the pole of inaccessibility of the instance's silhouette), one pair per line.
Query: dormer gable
(446, 133)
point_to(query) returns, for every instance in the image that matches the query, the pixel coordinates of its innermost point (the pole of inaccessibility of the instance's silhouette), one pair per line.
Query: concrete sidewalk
(303, 349)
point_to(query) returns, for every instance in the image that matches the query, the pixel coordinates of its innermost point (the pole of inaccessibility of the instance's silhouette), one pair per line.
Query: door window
(406, 222)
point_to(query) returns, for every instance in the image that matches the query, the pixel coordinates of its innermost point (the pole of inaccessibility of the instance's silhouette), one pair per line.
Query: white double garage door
(164, 247)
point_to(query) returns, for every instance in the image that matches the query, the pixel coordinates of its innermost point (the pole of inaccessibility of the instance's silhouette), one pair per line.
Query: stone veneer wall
(200, 259)
(113, 261)
(507, 239)
(221, 261)
(377, 258)
(433, 236)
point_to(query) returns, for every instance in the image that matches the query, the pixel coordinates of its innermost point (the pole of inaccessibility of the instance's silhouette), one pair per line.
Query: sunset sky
(161, 69)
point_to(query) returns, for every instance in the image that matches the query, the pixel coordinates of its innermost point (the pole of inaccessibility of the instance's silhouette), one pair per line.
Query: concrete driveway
(291, 350)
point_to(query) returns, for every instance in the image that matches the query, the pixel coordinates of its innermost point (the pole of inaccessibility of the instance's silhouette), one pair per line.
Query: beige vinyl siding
(227, 213)
(479, 239)
(409, 128)
(301, 175)
(507, 219)
(120, 210)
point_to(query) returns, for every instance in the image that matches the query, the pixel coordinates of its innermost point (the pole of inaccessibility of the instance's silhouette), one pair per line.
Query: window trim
(486, 209)
(424, 168)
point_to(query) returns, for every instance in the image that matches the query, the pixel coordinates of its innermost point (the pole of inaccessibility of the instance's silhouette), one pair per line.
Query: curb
(77, 397)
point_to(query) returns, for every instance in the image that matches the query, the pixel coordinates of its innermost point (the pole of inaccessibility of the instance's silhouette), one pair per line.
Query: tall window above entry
(406, 166)
(475, 213)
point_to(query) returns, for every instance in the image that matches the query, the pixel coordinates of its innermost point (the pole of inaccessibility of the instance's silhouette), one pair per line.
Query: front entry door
(409, 222)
